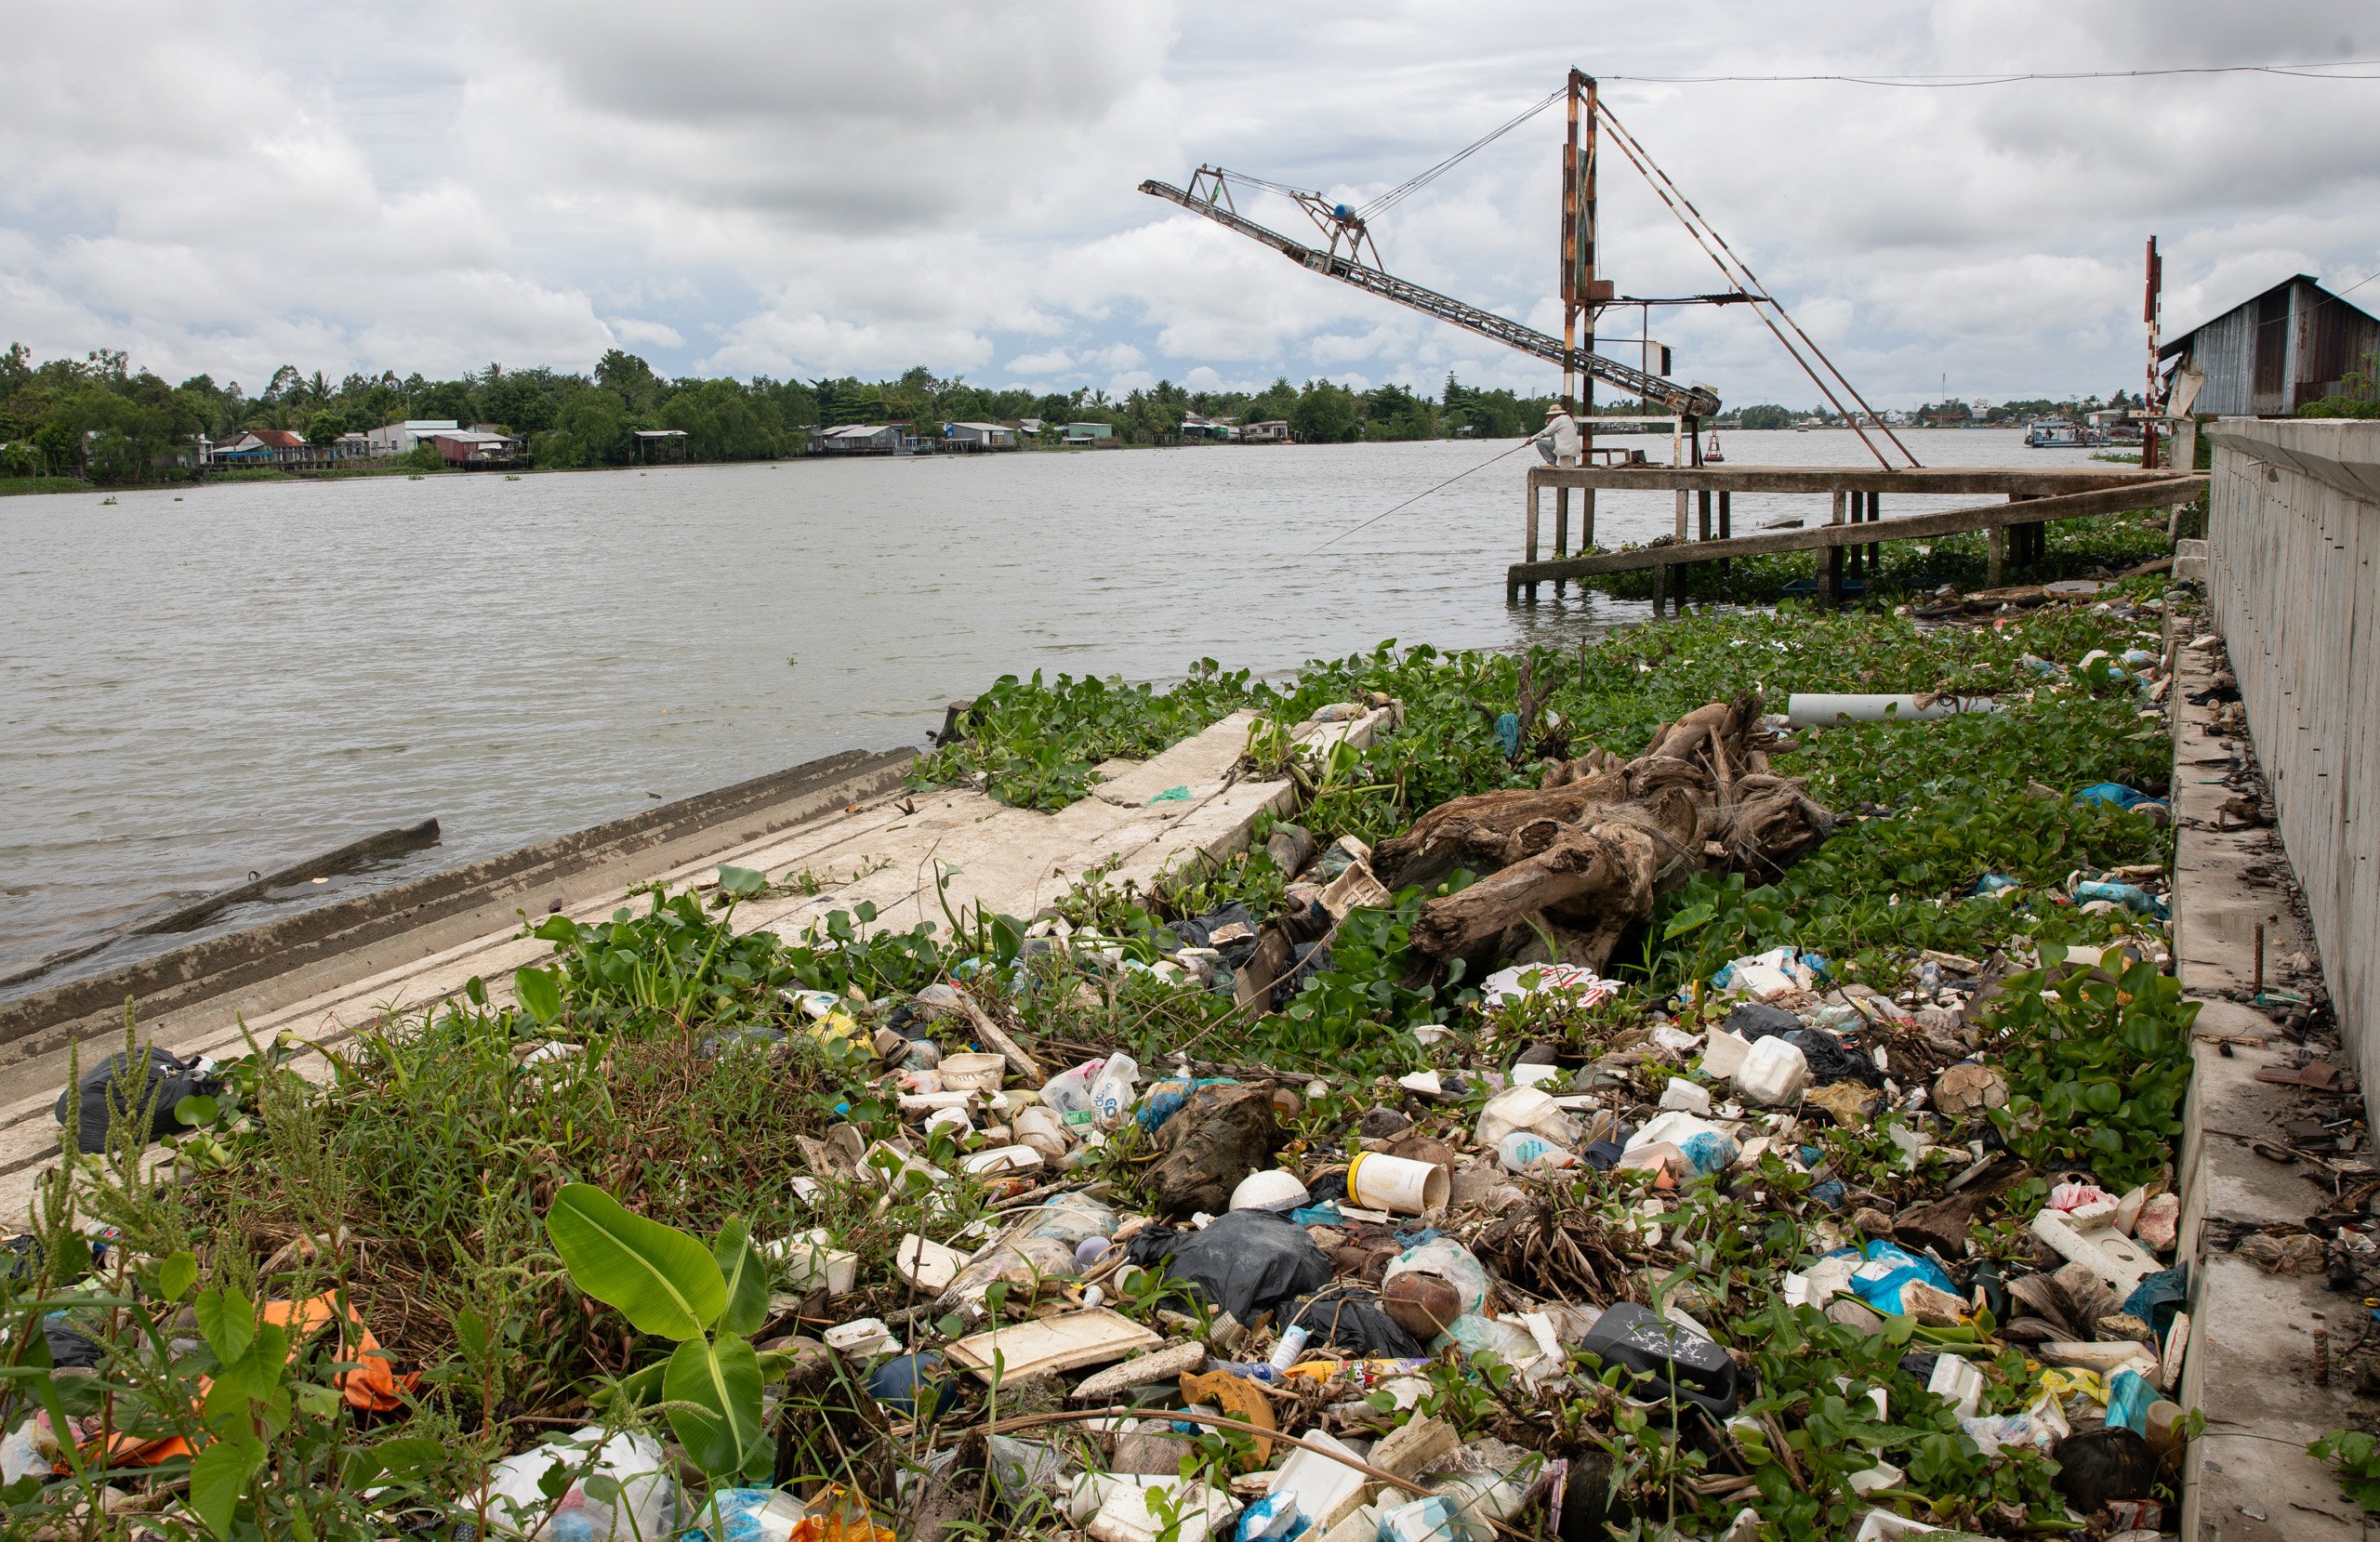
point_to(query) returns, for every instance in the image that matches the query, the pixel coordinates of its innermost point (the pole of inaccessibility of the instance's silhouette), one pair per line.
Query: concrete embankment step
(914, 856)
(2251, 1365)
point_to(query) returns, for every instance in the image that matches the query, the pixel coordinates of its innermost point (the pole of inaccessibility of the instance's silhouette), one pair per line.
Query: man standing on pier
(1558, 441)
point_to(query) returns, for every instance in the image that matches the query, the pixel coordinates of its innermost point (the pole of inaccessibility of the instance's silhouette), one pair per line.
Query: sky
(739, 188)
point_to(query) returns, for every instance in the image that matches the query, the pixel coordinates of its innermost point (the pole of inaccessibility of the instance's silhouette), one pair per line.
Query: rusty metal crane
(1210, 194)
(1350, 255)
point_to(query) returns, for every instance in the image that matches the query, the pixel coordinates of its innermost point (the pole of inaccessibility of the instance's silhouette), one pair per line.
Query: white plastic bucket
(1398, 1184)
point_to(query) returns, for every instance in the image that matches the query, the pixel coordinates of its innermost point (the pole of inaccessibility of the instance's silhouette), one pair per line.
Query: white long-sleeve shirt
(1561, 436)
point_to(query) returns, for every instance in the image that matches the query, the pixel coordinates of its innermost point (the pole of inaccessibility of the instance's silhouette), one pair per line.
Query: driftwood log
(1582, 857)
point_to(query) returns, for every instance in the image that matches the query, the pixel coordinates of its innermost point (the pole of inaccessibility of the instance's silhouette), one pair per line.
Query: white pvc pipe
(1816, 709)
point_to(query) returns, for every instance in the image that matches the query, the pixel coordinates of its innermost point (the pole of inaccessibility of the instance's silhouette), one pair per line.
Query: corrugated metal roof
(2179, 338)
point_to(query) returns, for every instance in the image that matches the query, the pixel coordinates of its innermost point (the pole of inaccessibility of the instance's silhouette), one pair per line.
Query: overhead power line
(1960, 81)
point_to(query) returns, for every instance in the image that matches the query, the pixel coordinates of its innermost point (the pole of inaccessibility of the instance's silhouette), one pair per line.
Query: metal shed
(2267, 356)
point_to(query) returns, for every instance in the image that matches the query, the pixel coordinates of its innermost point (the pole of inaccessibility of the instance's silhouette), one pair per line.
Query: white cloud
(639, 334)
(1049, 361)
(763, 189)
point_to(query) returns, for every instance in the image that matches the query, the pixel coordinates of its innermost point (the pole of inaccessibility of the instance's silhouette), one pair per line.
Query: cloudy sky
(747, 187)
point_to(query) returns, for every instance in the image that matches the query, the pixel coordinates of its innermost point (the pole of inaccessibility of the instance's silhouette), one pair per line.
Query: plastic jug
(1112, 1095)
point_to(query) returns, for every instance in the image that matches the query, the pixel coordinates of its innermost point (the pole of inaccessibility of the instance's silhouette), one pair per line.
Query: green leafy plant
(2097, 1070)
(709, 1301)
(2355, 1457)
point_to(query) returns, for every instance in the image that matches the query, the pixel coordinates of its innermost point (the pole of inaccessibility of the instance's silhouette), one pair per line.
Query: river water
(195, 685)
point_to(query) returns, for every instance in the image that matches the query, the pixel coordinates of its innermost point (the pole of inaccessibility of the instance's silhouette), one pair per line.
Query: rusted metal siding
(2270, 355)
(2292, 534)
(2333, 340)
(2225, 348)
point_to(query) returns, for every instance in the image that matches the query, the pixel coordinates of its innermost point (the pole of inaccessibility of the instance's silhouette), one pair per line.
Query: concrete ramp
(856, 838)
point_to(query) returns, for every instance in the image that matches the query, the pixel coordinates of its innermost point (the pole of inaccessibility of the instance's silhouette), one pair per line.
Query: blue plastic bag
(2129, 1395)
(2129, 895)
(2115, 795)
(1164, 1099)
(1881, 1288)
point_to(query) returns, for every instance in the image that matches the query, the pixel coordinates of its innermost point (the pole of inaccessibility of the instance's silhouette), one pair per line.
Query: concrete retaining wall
(2292, 532)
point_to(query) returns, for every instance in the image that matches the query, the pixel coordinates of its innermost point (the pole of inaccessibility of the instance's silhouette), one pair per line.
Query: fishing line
(1423, 494)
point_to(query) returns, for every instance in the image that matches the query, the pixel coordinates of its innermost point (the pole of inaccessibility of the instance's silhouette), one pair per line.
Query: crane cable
(1407, 189)
(1403, 190)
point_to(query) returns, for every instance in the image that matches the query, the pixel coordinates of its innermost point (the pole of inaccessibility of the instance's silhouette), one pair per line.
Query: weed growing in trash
(2102, 1067)
(1038, 745)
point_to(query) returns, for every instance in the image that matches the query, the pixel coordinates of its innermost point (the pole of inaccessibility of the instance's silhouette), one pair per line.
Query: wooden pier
(1856, 526)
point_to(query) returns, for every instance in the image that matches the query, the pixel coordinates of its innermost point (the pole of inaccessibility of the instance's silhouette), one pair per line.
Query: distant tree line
(99, 419)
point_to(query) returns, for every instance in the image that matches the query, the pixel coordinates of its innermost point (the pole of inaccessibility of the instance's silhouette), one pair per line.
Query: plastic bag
(1451, 1261)
(1164, 1099)
(1525, 1108)
(1245, 1262)
(1069, 1091)
(109, 1088)
(1349, 1317)
(639, 1497)
(1890, 1267)
(1112, 1095)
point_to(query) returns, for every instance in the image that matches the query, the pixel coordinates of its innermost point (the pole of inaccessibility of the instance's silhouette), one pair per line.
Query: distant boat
(1711, 456)
(2049, 434)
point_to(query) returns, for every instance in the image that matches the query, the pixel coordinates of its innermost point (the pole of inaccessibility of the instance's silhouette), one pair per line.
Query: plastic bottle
(1112, 1096)
(1523, 1150)
(1286, 1352)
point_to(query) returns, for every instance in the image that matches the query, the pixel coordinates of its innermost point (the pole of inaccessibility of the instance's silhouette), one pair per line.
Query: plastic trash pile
(1601, 1263)
(1321, 1298)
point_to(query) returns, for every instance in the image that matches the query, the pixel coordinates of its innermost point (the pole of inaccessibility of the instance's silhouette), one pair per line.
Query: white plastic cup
(1398, 1184)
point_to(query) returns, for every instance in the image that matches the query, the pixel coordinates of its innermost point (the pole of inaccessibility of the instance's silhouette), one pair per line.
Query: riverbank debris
(1743, 1169)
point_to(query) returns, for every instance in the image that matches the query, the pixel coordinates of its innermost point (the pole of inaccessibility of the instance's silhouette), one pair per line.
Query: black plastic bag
(1245, 1262)
(1349, 1317)
(1313, 958)
(1830, 1059)
(108, 1088)
(1235, 921)
(68, 1348)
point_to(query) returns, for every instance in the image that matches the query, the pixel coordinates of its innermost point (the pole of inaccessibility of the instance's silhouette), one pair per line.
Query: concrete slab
(2248, 1478)
(2250, 1364)
(909, 854)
